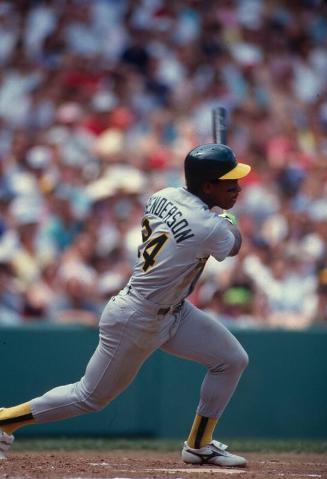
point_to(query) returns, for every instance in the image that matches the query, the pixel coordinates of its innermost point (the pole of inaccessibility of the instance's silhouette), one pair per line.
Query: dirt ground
(146, 465)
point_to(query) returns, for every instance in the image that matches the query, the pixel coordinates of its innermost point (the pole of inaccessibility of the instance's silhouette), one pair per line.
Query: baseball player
(179, 233)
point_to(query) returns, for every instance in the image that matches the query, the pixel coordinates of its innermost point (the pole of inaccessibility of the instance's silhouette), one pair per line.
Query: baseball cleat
(214, 453)
(6, 441)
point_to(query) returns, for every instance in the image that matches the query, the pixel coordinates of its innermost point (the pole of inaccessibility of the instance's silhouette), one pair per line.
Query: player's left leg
(123, 347)
(203, 339)
(112, 367)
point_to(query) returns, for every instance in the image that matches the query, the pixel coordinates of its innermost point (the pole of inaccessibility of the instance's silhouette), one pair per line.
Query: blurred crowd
(100, 102)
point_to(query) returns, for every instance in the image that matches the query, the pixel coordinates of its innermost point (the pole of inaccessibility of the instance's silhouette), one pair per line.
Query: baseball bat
(219, 125)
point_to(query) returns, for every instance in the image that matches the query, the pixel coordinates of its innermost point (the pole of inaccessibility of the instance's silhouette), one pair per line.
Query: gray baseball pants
(131, 328)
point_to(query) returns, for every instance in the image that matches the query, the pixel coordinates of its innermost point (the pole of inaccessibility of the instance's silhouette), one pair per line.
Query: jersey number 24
(151, 246)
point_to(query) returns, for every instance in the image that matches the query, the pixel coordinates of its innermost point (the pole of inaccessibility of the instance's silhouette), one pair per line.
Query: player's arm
(238, 239)
(231, 222)
(224, 239)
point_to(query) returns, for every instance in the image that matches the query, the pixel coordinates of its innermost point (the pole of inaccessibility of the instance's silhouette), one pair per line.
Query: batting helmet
(212, 162)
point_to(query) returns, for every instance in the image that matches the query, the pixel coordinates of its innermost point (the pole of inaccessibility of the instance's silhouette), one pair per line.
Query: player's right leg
(121, 351)
(203, 339)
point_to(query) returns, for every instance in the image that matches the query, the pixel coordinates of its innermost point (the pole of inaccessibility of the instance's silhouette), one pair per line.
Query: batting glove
(229, 217)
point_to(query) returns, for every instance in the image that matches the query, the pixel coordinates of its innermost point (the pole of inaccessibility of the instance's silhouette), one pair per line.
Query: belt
(171, 309)
(175, 308)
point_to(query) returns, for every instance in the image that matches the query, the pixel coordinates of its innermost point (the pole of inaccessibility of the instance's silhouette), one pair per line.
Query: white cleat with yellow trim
(6, 441)
(214, 453)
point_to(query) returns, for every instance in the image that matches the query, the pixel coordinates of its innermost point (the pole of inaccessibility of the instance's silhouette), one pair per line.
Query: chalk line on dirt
(170, 470)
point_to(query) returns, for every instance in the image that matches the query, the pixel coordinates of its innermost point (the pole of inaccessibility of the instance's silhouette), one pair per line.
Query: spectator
(99, 104)
(11, 298)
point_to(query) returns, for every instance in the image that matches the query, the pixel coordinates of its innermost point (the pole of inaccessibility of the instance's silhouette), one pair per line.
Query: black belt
(171, 309)
(162, 311)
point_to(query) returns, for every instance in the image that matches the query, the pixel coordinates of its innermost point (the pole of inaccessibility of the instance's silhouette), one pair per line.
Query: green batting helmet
(212, 162)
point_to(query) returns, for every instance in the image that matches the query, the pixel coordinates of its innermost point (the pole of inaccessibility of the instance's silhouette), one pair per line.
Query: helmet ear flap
(194, 184)
(195, 175)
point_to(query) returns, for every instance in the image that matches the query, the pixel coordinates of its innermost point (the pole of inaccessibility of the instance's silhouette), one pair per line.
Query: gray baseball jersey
(179, 233)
